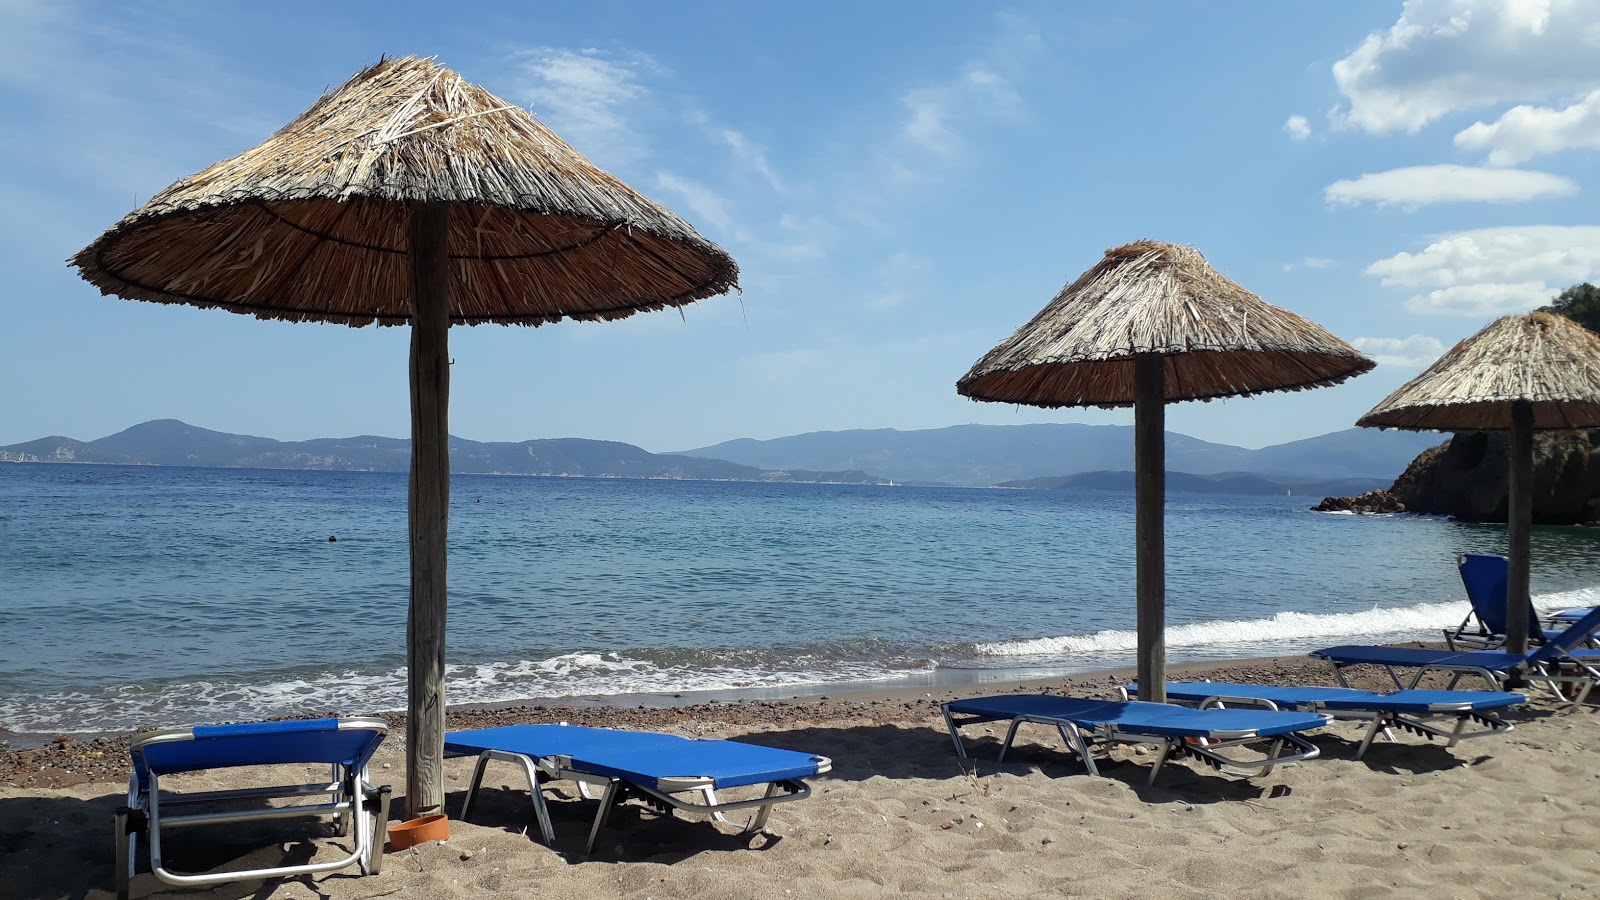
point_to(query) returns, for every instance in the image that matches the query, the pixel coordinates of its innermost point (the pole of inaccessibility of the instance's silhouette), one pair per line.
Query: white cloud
(1311, 262)
(1444, 56)
(1524, 132)
(1494, 270)
(705, 205)
(1481, 300)
(981, 92)
(1298, 127)
(1416, 350)
(750, 154)
(585, 96)
(1414, 186)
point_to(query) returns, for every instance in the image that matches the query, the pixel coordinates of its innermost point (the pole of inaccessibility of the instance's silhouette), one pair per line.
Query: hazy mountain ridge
(984, 455)
(168, 442)
(966, 455)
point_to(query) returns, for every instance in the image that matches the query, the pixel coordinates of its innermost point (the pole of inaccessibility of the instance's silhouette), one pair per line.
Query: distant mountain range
(983, 455)
(168, 442)
(1041, 456)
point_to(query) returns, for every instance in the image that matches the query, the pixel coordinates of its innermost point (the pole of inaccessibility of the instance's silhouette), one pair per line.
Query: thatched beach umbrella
(1535, 372)
(1153, 323)
(407, 195)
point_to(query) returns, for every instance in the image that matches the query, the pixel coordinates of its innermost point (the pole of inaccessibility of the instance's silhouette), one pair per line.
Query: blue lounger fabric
(1199, 734)
(1136, 717)
(639, 756)
(1407, 710)
(661, 769)
(258, 744)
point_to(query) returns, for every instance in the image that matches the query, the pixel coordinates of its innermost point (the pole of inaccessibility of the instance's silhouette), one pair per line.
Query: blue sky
(902, 184)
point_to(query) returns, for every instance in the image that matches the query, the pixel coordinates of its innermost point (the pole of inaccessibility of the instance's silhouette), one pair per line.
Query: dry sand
(1516, 815)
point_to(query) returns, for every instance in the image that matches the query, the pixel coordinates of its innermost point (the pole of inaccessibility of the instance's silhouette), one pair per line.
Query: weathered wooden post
(429, 505)
(1150, 486)
(1519, 522)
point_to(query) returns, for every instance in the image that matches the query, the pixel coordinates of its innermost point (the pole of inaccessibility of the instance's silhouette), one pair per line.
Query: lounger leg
(380, 830)
(1161, 760)
(124, 853)
(1011, 735)
(1277, 747)
(472, 788)
(340, 776)
(950, 723)
(541, 812)
(606, 801)
(709, 795)
(1372, 734)
(760, 820)
(1073, 735)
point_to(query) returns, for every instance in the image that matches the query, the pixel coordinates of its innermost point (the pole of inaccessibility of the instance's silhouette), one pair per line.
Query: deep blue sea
(137, 596)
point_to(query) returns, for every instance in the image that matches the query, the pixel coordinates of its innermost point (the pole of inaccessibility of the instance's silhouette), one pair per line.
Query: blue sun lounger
(1556, 663)
(1195, 733)
(1484, 576)
(658, 769)
(346, 745)
(1405, 710)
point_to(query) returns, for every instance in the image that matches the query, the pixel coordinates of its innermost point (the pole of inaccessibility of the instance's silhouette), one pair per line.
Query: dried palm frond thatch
(1547, 361)
(311, 225)
(1148, 297)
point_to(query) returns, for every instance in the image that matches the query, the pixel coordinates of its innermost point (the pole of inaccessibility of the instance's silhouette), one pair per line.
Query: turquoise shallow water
(134, 596)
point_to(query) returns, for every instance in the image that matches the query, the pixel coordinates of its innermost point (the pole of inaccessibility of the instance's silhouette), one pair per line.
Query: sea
(135, 596)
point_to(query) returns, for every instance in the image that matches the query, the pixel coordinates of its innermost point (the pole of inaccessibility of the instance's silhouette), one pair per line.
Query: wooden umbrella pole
(1519, 522)
(1150, 466)
(429, 506)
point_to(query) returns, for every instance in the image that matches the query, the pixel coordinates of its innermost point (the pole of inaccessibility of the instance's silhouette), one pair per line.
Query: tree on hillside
(1580, 303)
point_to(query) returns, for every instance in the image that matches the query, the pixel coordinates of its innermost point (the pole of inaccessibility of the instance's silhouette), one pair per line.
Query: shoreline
(56, 760)
(908, 687)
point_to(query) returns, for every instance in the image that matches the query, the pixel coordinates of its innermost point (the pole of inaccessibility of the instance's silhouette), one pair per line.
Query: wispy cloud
(1416, 186)
(586, 96)
(1490, 271)
(751, 155)
(1414, 351)
(1297, 127)
(938, 116)
(704, 204)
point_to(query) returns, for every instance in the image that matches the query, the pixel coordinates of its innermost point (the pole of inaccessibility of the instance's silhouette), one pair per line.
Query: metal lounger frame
(1381, 721)
(1548, 676)
(1082, 741)
(348, 793)
(661, 796)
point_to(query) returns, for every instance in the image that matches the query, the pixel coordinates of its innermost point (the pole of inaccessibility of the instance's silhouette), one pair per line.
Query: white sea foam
(1282, 629)
(585, 674)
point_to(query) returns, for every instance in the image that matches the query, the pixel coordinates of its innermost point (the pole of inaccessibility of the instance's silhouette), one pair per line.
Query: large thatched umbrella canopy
(409, 195)
(1535, 372)
(1153, 323)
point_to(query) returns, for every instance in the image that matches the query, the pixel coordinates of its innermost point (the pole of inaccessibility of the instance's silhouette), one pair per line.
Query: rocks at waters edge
(1371, 502)
(1466, 478)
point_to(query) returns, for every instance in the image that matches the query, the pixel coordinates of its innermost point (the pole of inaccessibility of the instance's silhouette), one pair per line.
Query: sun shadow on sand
(632, 833)
(58, 846)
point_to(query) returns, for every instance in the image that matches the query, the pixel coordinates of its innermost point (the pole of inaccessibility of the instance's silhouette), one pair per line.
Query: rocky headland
(1466, 478)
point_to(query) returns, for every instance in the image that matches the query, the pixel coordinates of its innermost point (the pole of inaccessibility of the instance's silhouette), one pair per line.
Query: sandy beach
(1507, 815)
